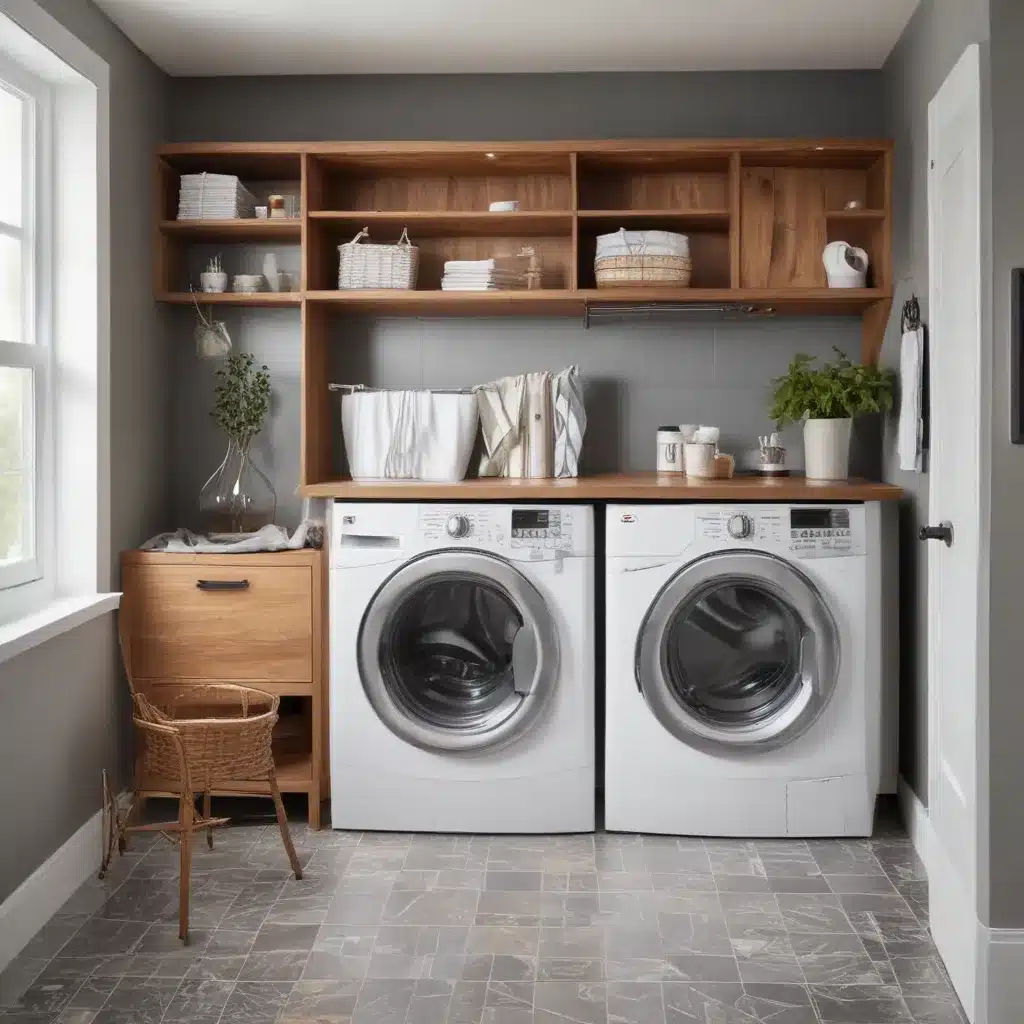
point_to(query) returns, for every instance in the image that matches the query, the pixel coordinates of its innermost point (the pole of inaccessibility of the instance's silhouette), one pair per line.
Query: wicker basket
(643, 271)
(370, 265)
(643, 258)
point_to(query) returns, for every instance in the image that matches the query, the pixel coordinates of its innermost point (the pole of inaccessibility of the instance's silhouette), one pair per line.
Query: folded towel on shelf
(500, 273)
(207, 196)
(515, 264)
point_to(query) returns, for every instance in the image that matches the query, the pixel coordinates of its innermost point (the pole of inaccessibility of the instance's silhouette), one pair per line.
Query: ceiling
(294, 37)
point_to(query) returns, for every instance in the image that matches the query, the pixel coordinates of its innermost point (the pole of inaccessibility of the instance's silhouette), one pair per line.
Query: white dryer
(462, 668)
(743, 669)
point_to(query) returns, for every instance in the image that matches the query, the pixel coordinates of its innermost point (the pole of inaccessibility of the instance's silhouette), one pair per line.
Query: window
(26, 475)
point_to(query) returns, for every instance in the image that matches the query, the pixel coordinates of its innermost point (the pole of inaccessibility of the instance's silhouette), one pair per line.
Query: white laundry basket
(409, 435)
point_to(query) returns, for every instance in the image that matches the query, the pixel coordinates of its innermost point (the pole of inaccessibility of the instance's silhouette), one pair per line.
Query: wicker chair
(228, 741)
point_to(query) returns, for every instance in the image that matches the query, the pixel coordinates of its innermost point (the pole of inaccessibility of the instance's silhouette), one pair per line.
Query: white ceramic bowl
(247, 283)
(213, 282)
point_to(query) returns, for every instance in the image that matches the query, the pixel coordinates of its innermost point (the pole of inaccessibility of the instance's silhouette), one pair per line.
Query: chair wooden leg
(282, 822)
(208, 813)
(185, 820)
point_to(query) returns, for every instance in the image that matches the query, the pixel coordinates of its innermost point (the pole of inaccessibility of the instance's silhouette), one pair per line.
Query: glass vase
(238, 497)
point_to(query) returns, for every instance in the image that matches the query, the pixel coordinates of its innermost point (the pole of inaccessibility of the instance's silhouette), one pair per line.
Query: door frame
(819, 656)
(535, 649)
(954, 904)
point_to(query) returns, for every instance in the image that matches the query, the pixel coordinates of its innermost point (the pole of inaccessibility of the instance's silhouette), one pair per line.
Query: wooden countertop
(622, 487)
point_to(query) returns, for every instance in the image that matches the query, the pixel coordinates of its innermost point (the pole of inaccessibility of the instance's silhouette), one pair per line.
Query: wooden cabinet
(257, 619)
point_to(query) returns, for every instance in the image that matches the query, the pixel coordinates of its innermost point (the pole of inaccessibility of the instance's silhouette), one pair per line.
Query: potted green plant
(239, 496)
(826, 399)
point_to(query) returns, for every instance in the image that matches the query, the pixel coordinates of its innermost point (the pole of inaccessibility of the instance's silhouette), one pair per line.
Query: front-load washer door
(738, 652)
(458, 651)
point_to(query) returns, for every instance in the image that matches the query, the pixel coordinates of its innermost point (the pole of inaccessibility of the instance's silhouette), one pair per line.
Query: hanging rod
(353, 388)
(671, 308)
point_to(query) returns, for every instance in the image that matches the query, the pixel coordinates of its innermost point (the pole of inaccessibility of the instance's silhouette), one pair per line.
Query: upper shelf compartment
(183, 248)
(654, 182)
(456, 181)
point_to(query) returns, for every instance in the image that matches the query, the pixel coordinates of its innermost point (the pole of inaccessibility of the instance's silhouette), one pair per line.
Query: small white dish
(247, 283)
(504, 206)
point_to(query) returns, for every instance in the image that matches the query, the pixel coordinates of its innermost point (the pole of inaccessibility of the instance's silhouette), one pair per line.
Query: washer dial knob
(740, 526)
(457, 526)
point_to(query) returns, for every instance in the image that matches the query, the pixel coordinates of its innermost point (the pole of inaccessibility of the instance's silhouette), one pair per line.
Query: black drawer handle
(223, 584)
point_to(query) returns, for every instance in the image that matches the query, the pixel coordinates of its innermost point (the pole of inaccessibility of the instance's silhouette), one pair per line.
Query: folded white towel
(910, 436)
(513, 263)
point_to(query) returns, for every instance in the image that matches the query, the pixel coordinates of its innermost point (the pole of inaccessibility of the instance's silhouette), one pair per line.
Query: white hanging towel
(570, 421)
(910, 437)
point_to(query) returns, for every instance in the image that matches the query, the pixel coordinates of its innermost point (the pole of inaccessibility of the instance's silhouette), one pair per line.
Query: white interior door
(954, 603)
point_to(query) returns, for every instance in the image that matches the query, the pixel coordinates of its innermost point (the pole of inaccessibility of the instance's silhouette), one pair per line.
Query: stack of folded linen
(500, 273)
(214, 197)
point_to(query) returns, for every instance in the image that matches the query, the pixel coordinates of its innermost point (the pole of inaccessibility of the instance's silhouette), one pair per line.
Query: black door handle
(943, 532)
(223, 584)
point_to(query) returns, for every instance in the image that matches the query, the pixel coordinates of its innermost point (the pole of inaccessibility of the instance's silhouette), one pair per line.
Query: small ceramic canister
(670, 450)
(700, 459)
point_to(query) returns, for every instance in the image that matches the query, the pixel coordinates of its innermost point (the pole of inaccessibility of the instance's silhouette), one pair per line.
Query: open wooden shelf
(830, 302)
(392, 302)
(248, 229)
(473, 223)
(665, 220)
(858, 214)
(232, 298)
(758, 214)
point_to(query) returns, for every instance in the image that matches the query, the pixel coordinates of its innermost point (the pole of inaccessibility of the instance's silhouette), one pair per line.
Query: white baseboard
(915, 817)
(1000, 988)
(48, 888)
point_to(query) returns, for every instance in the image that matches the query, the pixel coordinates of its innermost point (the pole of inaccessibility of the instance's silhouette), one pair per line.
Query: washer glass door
(458, 651)
(738, 651)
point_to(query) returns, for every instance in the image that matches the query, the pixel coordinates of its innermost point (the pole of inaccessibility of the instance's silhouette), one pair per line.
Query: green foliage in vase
(834, 391)
(242, 398)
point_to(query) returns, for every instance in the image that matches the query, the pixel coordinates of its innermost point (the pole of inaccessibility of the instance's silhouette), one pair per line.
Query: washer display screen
(530, 518)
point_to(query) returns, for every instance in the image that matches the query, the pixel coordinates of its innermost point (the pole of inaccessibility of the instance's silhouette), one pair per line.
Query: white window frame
(29, 581)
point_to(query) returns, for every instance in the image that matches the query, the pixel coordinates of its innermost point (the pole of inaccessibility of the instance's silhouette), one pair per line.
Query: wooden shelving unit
(758, 214)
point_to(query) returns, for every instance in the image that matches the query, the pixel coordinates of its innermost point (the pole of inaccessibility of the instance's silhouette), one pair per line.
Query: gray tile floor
(425, 929)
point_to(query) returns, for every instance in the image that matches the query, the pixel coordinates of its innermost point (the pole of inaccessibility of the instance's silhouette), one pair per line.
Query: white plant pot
(827, 449)
(213, 282)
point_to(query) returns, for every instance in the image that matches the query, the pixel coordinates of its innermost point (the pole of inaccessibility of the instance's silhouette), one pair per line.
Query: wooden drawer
(184, 627)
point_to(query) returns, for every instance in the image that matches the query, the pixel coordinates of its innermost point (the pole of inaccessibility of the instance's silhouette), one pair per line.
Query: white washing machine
(743, 669)
(462, 668)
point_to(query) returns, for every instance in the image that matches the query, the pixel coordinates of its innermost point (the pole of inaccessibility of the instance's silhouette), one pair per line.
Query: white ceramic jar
(670, 450)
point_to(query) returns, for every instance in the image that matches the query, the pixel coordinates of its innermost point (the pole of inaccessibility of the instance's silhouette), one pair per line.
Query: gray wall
(639, 375)
(1004, 906)
(590, 106)
(63, 707)
(931, 44)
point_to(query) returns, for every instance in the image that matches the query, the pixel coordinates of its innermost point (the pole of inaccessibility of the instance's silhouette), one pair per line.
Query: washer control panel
(542, 528)
(542, 532)
(802, 531)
